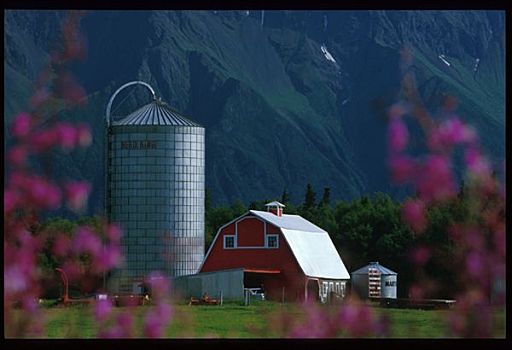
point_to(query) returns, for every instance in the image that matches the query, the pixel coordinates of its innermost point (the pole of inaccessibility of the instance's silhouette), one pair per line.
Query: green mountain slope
(294, 100)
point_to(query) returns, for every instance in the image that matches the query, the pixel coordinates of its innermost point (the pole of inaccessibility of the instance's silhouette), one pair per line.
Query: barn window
(229, 241)
(272, 241)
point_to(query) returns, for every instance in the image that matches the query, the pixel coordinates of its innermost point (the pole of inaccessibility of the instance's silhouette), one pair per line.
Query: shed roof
(275, 204)
(155, 113)
(383, 270)
(311, 246)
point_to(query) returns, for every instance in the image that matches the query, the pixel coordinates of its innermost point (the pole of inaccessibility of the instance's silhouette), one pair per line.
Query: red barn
(287, 255)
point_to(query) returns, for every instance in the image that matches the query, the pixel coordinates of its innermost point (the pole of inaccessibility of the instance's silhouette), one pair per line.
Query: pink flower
(67, 135)
(397, 110)
(72, 270)
(114, 232)
(450, 133)
(61, 245)
(107, 259)
(18, 282)
(398, 135)
(76, 194)
(475, 264)
(11, 199)
(402, 168)
(42, 193)
(125, 321)
(436, 182)
(102, 310)
(476, 163)
(84, 135)
(21, 125)
(86, 241)
(474, 240)
(159, 285)
(420, 255)
(17, 155)
(156, 320)
(315, 325)
(357, 319)
(44, 139)
(29, 303)
(413, 213)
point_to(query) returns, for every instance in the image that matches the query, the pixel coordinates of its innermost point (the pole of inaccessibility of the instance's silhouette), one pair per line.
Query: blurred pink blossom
(84, 135)
(315, 324)
(413, 213)
(61, 245)
(17, 155)
(476, 163)
(107, 258)
(449, 133)
(420, 255)
(397, 110)
(43, 193)
(11, 198)
(102, 309)
(86, 241)
(403, 168)
(435, 182)
(67, 135)
(17, 281)
(21, 125)
(114, 232)
(357, 320)
(77, 193)
(398, 135)
(156, 320)
(159, 285)
(475, 264)
(44, 139)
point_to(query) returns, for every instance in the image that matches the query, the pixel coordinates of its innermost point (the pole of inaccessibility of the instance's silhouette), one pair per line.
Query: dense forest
(363, 230)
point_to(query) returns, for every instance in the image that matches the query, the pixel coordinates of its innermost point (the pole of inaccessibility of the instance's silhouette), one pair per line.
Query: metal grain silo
(374, 281)
(155, 190)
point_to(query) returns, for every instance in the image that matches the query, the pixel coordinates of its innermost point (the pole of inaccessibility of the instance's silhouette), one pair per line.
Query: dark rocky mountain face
(287, 97)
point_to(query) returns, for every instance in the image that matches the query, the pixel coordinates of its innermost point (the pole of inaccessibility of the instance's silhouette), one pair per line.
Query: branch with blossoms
(28, 194)
(479, 236)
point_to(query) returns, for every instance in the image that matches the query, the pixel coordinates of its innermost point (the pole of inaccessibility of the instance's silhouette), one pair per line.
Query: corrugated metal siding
(155, 113)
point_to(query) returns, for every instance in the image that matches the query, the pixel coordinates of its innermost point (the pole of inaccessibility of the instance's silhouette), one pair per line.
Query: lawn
(233, 320)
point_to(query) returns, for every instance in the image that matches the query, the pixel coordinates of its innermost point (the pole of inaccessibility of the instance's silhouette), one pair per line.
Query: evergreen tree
(309, 200)
(207, 200)
(326, 198)
(285, 197)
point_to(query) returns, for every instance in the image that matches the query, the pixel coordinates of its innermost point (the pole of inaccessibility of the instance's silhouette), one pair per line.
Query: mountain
(286, 97)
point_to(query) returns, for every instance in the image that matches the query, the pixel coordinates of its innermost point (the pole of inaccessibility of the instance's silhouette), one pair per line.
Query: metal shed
(374, 281)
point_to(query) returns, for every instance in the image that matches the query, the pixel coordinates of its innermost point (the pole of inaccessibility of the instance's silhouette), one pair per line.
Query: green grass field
(233, 320)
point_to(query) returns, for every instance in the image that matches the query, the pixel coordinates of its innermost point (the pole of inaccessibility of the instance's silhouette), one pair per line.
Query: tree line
(365, 229)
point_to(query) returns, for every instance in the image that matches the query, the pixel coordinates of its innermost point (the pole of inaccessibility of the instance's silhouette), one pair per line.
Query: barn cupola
(275, 207)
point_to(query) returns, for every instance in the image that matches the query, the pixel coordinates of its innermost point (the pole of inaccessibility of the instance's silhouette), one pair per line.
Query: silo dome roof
(155, 113)
(383, 270)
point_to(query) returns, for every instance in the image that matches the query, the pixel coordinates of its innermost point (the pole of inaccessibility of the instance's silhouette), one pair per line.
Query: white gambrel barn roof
(312, 246)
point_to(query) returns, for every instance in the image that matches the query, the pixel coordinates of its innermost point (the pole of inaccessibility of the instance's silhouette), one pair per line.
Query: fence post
(221, 297)
(282, 300)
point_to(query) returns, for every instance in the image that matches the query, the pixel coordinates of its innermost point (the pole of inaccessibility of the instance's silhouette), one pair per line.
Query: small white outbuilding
(374, 281)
